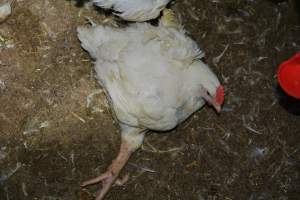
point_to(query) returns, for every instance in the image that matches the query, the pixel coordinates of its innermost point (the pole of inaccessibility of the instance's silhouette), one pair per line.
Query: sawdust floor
(56, 129)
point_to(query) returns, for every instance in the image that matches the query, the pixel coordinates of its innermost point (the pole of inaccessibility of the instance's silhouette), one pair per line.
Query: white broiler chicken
(134, 10)
(154, 79)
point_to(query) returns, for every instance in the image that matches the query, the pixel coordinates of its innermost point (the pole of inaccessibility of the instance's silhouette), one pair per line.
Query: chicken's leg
(132, 138)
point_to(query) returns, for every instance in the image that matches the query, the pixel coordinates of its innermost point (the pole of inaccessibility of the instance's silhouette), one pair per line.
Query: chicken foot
(132, 139)
(110, 176)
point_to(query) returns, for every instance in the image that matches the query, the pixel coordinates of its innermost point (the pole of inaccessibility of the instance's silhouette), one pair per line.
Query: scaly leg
(131, 139)
(109, 177)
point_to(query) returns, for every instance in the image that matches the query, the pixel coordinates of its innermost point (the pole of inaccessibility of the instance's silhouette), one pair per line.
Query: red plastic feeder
(289, 76)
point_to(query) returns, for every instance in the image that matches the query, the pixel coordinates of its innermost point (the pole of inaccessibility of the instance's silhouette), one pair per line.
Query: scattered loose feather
(5, 10)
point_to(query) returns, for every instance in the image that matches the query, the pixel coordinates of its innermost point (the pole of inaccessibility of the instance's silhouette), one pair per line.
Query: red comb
(220, 95)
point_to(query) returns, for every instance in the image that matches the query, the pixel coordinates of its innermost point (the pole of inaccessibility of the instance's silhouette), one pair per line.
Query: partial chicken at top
(134, 10)
(154, 79)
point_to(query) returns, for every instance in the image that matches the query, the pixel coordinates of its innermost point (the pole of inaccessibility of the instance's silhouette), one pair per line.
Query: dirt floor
(56, 128)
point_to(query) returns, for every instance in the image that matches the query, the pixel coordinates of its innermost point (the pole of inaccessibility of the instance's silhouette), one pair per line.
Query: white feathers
(153, 75)
(5, 10)
(134, 10)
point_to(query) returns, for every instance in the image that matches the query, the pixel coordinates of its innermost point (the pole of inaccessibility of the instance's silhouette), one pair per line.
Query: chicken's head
(214, 98)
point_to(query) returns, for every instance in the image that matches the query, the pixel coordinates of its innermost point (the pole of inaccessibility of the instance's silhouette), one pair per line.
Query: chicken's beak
(217, 107)
(212, 102)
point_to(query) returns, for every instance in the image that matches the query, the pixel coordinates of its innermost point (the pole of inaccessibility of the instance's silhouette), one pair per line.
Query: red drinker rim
(289, 76)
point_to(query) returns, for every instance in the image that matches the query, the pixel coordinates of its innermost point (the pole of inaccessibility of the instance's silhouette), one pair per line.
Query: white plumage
(5, 10)
(134, 10)
(154, 80)
(150, 73)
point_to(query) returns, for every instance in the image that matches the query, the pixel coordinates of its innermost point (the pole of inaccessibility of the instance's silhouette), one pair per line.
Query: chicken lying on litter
(154, 79)
(134, 10)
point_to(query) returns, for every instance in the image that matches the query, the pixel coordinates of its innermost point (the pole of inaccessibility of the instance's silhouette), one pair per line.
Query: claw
(122, 181)
(110, 176)
(96, 180)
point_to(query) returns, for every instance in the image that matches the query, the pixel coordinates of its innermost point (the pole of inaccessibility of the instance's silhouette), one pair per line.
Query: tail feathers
(102, 43)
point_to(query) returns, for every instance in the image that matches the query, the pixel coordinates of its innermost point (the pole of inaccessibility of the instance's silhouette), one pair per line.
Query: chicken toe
(110, 176)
